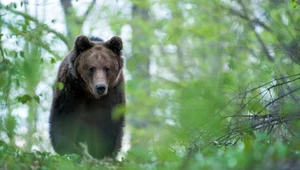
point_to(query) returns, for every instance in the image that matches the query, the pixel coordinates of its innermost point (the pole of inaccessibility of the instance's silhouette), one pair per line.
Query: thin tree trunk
(73, 22)
(139, 63)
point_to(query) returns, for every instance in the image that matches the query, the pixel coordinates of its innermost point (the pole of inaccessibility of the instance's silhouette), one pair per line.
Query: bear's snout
(101, 89)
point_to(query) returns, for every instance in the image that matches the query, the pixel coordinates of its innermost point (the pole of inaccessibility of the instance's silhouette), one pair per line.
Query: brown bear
(93, 86)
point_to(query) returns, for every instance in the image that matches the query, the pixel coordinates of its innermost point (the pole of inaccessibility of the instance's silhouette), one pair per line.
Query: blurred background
(210, 84)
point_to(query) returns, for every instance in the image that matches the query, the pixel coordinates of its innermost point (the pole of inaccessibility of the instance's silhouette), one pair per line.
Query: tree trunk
(73, 22)
(139, 63)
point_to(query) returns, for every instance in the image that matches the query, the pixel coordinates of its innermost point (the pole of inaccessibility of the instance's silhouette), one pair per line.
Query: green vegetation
(210, 84)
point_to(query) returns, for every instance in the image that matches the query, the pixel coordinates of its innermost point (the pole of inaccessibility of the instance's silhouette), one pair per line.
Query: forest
(209, 84)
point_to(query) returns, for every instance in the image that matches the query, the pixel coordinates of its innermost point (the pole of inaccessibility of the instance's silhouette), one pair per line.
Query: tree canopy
(209, 84)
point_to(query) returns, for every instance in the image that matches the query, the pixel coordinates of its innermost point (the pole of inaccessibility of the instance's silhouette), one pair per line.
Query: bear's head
(98, 64)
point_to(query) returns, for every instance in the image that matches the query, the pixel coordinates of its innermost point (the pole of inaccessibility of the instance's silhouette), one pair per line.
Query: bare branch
(278, 98)
(296, 99)
(265, 49)
(292, 78)
(242, 123)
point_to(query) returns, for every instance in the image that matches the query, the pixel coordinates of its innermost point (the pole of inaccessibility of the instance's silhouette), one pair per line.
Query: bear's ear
(115, 44)
(82, 43)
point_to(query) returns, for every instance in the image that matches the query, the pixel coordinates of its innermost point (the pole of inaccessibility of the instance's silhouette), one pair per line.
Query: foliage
(243, 156)
(210, 84)
(12, 158)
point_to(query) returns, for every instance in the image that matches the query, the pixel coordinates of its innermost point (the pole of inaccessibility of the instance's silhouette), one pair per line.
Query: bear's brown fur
(81, 112)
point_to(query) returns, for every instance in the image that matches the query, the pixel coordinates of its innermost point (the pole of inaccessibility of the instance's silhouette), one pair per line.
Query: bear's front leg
(63, 135)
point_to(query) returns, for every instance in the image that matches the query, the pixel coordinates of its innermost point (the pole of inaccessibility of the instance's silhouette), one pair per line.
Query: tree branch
(73, 22)
(88, 10)
(296, 99)
(37, 22)
(67, 6)
(265, 49)
(245, 17)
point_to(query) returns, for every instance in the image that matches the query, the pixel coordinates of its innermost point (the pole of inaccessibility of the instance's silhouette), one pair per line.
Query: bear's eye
(106, 69)
(92, 70)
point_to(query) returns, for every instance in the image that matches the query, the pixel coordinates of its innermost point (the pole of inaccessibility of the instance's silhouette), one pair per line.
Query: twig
(265, 49)
(278, 98)
(289, 88)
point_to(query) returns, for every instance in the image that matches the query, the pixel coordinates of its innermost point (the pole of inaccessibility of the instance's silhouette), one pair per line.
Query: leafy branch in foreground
(37, 22)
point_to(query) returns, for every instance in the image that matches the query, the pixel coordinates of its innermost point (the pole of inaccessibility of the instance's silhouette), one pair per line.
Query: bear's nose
(100, 88)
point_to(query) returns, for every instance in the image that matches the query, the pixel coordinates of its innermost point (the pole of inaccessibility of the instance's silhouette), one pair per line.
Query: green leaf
(295, 4)
(52, 60)
(22, 54)
(23, 99)
(60, 85)
(118, 112)
(248, 142)
(37, 99)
